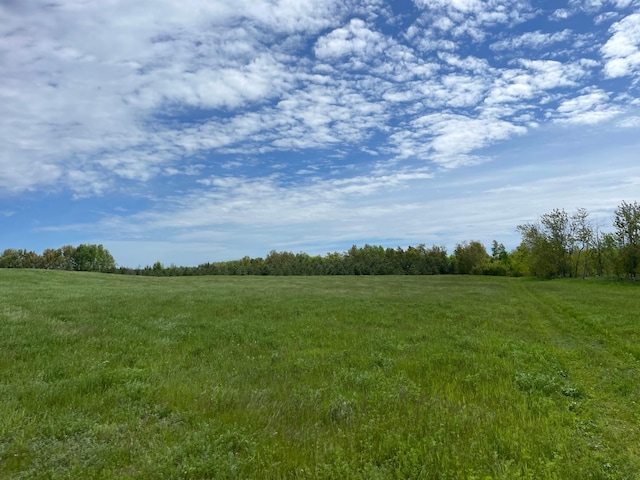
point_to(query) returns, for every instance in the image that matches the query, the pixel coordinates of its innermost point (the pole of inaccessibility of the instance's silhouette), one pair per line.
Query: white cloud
(630, 122)
(463, 90)
(595, 5)
(606, 17)
(550, 74)
(355, 39)
(469, 18)
(535, 39)
(465, 6)
(81, 81)
(19, 176)
(622, 50)
(455, 134)
(588, 5)
(561, 14)
(449, 140)
(590, 108)
(233, 200)
(470, 63)
(94, 93)
(535, 79)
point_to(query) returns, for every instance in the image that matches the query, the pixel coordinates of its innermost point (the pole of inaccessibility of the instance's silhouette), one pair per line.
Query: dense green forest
(559, 245)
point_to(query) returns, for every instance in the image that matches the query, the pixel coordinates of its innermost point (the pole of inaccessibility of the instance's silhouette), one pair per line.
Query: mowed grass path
(105, 376)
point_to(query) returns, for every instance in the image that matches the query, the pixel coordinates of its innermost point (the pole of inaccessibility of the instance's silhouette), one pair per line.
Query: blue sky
(207, 130)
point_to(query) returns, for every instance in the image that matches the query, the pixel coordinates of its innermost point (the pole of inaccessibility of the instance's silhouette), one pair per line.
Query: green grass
(445, 377)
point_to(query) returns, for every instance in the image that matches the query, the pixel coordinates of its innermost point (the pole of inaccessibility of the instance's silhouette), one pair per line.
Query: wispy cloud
(591, 108)
(530, 40)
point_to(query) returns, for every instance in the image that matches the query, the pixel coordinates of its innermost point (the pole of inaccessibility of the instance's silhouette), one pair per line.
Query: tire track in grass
(596, 368)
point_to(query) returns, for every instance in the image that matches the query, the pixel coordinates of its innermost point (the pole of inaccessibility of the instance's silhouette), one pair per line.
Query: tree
(627, 224)
(280, 263)
(368, 260)
(553, 243)
(93, 258)
(334, 264)
(158, 269)
(10, 259)
(68, 257)
(498, 252)
(582, 237)
(468, 256)
(51, 258)
(557, 231)
(31, 259)
(535, 253)
(437, 260)
(520, 261)
(606, 254)
(499, 263)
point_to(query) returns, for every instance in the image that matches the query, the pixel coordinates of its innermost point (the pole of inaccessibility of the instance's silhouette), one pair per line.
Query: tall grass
(317, 377)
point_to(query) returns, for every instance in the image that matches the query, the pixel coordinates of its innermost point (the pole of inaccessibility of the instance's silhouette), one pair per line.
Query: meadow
(435, 377)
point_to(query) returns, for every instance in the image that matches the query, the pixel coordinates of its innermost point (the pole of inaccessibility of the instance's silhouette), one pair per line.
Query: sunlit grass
(317, 377)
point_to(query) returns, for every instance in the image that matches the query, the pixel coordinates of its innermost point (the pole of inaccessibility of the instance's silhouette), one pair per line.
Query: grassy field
(445, 377)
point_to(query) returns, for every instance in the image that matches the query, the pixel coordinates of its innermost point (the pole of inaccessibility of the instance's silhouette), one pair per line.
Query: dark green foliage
(11, 258)
(93, 258)
(367, 260)
(627, 224)
(88, 258)
(498, 265)
(470, 257)
(550, 244)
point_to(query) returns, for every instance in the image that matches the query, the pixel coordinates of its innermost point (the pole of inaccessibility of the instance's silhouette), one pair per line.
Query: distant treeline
(558, 245)
(88, 258)
(367, 260)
